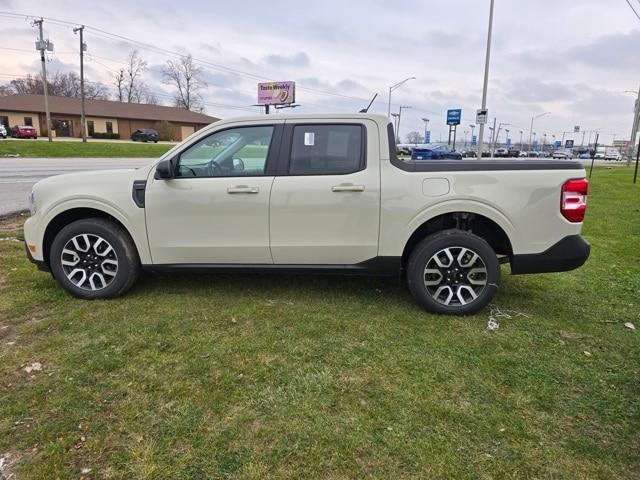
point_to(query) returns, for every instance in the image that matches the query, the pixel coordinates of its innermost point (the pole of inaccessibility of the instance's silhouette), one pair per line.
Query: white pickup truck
(311, 194)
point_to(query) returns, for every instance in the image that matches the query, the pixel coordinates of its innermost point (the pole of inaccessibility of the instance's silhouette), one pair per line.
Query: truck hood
(105, 186)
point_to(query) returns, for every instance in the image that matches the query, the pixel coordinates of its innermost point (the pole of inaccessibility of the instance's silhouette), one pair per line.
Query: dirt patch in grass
(14, 222)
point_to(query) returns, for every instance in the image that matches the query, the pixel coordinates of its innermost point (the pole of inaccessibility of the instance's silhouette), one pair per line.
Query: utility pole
(83, 47)
(41, 45)
(486, 78)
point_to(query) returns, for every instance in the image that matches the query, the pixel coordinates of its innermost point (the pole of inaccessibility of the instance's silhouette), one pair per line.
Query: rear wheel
(453, 272)
(94, 258)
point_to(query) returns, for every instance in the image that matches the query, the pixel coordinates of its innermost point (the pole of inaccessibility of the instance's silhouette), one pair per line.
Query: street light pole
(486, 78)
(531, 129)
(394, 87)
(402, 107)
(395, 124)
(521, 145)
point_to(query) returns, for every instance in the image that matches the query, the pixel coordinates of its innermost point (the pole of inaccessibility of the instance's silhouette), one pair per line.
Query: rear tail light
(574, 199)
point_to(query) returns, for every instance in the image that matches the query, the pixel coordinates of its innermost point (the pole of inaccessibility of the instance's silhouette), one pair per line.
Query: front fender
(132, 219)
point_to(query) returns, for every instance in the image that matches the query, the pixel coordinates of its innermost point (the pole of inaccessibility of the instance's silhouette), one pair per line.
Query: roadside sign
(276, 93)
(427, 136)
(454, 116)
(481, 116)
(557, 144)
(474, 139)
(568, 144)
(508, 142)
(576, 129)
(535, 144)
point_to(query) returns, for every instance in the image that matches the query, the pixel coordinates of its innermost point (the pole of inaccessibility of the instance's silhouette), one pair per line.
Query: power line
(212, 65)
(634, 10)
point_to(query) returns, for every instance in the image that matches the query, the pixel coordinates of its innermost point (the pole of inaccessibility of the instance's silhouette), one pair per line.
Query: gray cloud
(300, 59)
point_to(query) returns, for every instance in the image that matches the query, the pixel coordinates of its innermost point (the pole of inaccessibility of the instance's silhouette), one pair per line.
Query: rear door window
(327, 149)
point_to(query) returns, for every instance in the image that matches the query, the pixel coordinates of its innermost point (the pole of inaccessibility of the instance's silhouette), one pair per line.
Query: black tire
(424, 253)
(126, 255)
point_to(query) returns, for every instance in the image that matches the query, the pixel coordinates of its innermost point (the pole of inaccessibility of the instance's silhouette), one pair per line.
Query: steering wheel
(214, 169)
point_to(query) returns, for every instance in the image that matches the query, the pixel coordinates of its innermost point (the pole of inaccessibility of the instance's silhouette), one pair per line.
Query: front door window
(237, 152)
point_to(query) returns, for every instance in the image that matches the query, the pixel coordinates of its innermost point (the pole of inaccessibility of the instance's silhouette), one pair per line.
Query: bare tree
(136, 66)
(414, 137)
(58, 84)
(186, 77)
(118, 81)
(128, 80)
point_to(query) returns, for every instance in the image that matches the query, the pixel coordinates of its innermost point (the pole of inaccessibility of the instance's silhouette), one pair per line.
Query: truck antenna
(365, 110)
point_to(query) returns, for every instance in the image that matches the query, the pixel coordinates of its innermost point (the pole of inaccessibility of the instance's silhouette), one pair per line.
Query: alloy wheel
(455, 276)
(89, 262)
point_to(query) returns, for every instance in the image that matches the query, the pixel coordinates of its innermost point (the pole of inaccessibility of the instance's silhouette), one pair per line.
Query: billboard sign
(568, 144)
(557, 144)
(576, 129)
(474, 139)
(276, 93)
(508, 142)
(481, 116)
(454, 116)
(427, 136)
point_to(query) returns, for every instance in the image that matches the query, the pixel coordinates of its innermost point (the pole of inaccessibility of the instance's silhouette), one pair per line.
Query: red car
(24, 131)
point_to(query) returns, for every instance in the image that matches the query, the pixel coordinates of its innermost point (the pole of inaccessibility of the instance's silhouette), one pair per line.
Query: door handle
(347, 187)
(242, 189)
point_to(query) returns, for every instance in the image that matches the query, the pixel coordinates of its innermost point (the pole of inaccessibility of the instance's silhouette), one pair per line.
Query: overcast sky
(573, 58)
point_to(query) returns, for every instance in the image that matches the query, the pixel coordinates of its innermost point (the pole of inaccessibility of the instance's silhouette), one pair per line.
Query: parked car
(470, 154)
(599, 156)
(24, 131)
(435, 152)
(3, 131)
(523, 154)
(533, 154)
(514, 153)
(613, 154)
(334, 198)
(145, 135)
(585, 156)
(563, 154)
(501, 153)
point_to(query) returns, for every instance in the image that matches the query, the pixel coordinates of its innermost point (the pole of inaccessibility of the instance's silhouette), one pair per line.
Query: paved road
(17, 175)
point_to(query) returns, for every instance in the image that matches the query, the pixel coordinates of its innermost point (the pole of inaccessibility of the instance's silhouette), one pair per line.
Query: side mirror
(164, 170)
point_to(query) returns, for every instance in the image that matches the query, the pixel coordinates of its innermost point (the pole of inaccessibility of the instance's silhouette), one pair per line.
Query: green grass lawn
(39, 149)
(253, 377)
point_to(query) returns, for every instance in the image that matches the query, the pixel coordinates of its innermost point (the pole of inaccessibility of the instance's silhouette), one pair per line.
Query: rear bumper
(568, 254)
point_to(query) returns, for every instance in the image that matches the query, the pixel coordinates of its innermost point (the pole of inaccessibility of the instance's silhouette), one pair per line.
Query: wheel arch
(475, 223)
(64, 218)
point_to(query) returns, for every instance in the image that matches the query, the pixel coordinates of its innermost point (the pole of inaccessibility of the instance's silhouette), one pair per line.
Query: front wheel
(94, 258)
(453, 272)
